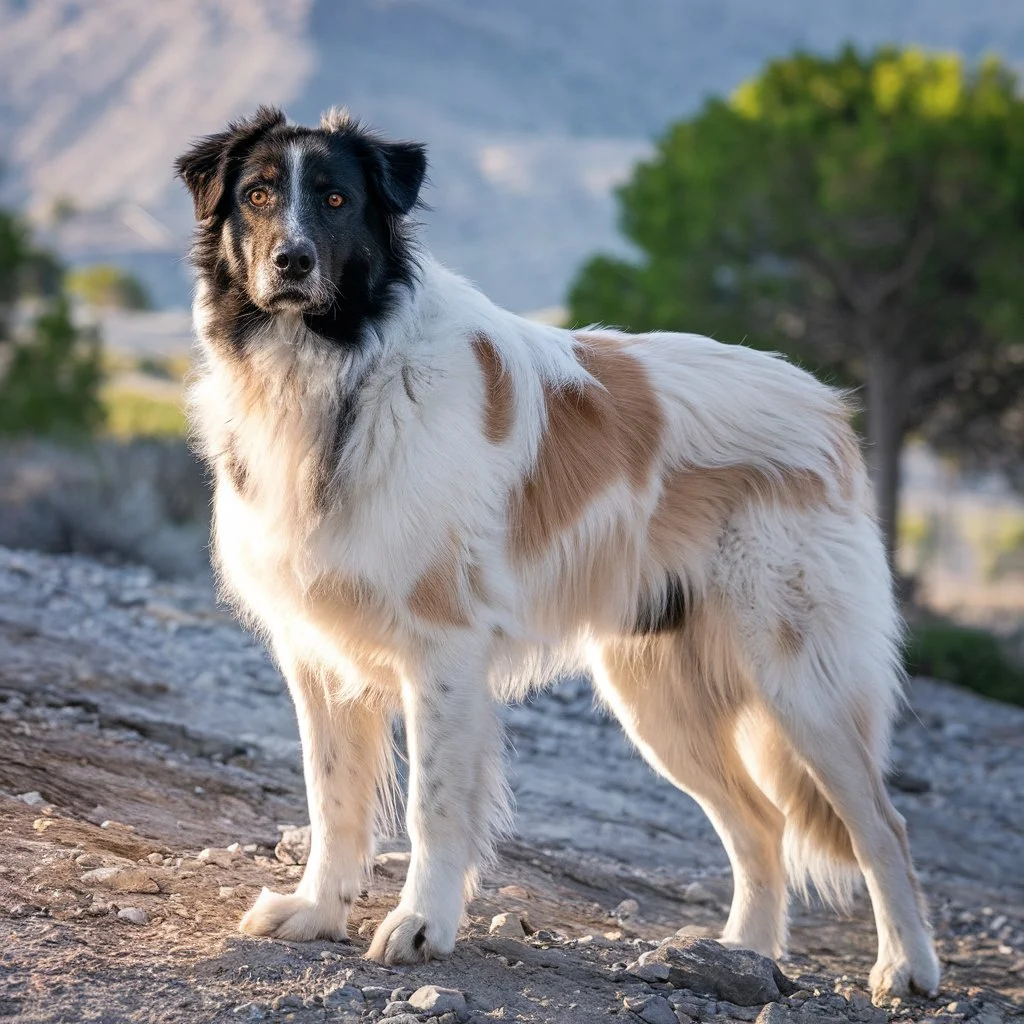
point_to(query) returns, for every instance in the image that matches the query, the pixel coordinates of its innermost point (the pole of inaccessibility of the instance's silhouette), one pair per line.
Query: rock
(392, 865)
(406, 1018)
(287, 1002)
(121, 879)
(89, 860)
(400, 995)
(133, 915)
(653, 1009)
(225, 892)
(697, 893)
(737, 975)
(988, 1015)
(110, 823)
(734, 1012)
(219, 858)
(812, 1012)
(250, 1011)
(155, 859)
(33, 799)
(687, 1003)
(293, 847)
(344, 997)
(375, 993)
(652, 972)
(907, 781)
(626, 909)
(434, 1001)
(515, 892)
(508, 926)
(398, 1007)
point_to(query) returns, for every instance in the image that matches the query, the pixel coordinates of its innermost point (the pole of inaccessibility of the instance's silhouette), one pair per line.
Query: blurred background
(841, 182)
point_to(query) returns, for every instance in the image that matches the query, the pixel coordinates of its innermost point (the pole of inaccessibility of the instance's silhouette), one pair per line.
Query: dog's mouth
(291, 300)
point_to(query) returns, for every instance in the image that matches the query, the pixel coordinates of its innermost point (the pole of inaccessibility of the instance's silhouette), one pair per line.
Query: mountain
(533, 109)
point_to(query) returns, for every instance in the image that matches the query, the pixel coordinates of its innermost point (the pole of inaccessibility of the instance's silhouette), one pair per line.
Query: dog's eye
(335, 199)
(259, 197)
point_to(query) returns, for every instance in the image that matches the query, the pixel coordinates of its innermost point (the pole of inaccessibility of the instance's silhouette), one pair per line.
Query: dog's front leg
(346, 756)
(456, 804)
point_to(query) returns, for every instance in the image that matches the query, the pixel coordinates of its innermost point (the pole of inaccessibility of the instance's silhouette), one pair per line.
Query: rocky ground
(149, 768)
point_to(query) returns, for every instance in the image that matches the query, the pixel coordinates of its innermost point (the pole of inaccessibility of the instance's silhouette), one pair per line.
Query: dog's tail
(817, 847)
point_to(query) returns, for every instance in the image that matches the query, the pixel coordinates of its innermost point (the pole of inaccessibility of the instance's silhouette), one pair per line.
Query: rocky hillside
(532, 110)
(150, 784)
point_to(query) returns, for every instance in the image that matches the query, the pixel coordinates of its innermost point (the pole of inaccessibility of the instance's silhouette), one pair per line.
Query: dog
(428, 505)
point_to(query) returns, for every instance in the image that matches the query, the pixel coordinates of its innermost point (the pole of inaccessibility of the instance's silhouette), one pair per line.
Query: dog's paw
(295, 918)
(901, 978)
(405, 937)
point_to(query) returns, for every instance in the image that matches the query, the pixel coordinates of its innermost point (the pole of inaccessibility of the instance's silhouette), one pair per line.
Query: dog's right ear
(206, 166)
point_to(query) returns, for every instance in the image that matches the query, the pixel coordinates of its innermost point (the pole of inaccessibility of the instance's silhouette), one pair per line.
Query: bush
(134, 414)
(108, 286)
(139, 501)
(967, 657)
(51, 381)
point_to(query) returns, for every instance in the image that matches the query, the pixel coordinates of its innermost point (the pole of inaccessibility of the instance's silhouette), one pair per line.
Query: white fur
(716, 708)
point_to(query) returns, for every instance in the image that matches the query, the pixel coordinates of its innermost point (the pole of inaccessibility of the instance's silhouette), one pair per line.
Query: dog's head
(302, 219)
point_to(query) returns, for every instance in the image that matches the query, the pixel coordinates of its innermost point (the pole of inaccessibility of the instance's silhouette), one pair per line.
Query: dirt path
(112, 688)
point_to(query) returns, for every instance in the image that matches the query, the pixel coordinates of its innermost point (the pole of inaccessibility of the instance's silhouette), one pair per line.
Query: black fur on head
(302, 221)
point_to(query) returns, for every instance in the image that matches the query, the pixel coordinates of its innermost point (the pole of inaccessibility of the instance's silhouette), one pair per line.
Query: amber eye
(259, 197)
(335, 199)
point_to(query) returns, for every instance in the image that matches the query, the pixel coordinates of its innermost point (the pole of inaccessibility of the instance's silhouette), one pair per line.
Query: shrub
(972, 658)
(108, 286)
(135, 414)
(50, 384)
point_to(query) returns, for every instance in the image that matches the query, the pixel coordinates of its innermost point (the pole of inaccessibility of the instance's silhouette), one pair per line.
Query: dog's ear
(205, 168)
(396, 171)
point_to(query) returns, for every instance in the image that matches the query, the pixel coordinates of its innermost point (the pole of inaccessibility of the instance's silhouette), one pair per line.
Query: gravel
(156, 671)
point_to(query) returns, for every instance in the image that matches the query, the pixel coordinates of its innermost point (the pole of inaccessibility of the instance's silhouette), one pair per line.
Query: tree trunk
(886, 433)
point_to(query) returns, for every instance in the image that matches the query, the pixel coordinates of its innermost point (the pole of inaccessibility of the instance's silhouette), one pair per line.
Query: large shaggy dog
(428, 504)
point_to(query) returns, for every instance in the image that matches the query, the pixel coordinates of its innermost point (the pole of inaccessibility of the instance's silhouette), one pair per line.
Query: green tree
(50, 373)
(864, 214)
(104, 285)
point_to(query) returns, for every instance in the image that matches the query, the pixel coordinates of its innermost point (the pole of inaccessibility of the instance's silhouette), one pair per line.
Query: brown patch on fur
(475, 578)
(236, 469)
(436, 597)
(595, 435)
(791, 640)
(499, 398)
(696, 504)
(349, 609)
(638, 419)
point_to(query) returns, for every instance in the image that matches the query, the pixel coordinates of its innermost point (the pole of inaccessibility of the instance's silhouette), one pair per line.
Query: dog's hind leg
(830, 730)
(347, 762)
(822, 636)
(683, 723)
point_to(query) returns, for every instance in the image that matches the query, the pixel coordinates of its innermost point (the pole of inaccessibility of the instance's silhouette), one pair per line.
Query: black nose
(294, 259)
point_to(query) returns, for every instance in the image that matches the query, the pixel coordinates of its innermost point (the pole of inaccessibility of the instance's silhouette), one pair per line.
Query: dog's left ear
(206, 167)
(396, 171)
